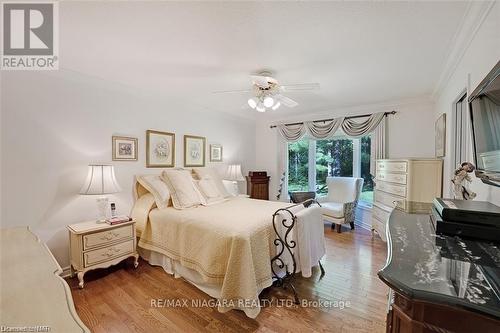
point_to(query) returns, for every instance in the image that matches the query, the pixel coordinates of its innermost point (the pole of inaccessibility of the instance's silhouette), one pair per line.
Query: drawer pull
(111, 252)
(109, 236)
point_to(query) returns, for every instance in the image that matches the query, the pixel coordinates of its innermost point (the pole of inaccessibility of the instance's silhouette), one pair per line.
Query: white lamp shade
(100, 180)
(233, 173)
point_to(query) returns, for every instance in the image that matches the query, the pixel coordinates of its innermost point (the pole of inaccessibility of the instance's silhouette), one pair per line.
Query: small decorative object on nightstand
(94, 245)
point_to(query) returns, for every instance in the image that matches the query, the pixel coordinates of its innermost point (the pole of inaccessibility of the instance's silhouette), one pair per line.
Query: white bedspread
(308, 233)
(229, 244)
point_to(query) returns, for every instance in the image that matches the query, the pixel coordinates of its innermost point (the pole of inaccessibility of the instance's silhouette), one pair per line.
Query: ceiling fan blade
(300, 87)
(231, 91)
(288, 101)
(260, 81)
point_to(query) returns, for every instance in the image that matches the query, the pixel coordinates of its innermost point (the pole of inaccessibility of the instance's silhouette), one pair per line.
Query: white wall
(479, 58)
(54, 124)
(410, 133)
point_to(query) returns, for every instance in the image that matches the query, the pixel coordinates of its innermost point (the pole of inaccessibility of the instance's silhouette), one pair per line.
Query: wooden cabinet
(258, 185)
(408, 316)
(401, 181)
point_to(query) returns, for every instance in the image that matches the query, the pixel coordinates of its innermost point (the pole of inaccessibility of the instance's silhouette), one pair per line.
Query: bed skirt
(174, 268)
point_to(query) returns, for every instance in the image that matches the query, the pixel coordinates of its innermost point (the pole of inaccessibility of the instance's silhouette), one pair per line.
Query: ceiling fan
(267, 92)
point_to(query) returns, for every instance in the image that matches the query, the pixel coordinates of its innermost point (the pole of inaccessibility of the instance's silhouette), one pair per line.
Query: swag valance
(325, 129)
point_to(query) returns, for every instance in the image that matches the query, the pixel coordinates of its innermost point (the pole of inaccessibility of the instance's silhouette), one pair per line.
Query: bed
(223, 249)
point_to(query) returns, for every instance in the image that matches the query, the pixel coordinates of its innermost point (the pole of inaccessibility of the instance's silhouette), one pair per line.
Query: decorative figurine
(460, 181)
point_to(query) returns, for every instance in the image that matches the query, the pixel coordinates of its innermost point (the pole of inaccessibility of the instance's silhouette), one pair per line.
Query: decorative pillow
(214, 175)
(157, 187)
(209, 190)
(182, 189)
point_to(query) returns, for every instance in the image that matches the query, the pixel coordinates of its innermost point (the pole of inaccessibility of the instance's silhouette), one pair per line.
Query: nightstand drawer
(108, 253)
(105, 237)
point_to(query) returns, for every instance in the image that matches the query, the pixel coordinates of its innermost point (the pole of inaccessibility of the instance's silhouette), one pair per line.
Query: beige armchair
(339, 205)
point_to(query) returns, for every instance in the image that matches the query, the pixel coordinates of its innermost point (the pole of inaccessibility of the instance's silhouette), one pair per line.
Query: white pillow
(157, 187)
(182, 188)
(209, 191)
(214, 175)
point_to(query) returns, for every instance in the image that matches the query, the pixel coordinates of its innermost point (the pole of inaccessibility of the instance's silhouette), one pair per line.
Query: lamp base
(102, 205)
(236, 190)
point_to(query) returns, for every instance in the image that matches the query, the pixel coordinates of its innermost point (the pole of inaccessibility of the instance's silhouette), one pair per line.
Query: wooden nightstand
(100, 245)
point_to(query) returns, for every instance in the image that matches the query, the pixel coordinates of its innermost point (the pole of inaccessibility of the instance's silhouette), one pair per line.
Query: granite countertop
(440, 269)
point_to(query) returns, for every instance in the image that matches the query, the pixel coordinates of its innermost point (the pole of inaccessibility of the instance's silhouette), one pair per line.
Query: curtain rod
(330, 119)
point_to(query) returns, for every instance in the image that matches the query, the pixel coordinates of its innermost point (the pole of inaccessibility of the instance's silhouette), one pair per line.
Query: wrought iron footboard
(285, 245)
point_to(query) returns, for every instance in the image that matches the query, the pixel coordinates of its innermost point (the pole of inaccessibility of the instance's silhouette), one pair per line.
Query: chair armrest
(322, 199)
(350, 210)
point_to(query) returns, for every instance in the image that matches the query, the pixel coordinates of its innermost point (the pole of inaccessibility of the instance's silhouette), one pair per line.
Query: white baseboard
(363, 217)
(66, 272)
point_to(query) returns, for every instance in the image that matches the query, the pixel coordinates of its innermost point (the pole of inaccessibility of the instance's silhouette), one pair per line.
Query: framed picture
(440, 142)
(160, 149)
(124, 148)
(215, 153)
(194, 151)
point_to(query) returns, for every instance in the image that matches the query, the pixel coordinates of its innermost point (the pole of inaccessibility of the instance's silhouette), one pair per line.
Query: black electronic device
(468, 211)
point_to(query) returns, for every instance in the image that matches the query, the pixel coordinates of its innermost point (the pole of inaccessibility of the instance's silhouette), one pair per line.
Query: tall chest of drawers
(403, 181)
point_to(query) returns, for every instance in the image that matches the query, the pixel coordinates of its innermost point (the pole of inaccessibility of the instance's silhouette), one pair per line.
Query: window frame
(459, 130)
(311, 167)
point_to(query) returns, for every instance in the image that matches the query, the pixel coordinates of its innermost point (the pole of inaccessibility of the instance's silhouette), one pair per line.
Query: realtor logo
(30, 36)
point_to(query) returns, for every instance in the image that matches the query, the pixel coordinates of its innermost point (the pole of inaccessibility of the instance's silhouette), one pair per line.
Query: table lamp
(233, 174)
(100, 181)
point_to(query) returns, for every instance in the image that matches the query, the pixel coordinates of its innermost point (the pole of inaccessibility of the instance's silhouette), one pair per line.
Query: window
(298, 169)
(459, 125)
(311, 161)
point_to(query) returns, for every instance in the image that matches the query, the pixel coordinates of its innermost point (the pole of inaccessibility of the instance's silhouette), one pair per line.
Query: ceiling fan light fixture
(276, 106)
(268, 101)
(260, 108)
(252, 103)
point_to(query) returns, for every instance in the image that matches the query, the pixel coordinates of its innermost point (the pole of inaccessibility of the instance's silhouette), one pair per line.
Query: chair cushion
(333, 209)
(344, 189)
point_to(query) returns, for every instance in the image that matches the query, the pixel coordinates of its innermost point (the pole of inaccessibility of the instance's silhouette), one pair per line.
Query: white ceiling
(360, 53)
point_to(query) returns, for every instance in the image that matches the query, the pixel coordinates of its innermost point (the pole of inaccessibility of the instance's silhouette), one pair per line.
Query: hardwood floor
(119, 299)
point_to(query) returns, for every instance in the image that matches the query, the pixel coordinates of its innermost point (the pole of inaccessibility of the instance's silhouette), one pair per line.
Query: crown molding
(472, 20)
